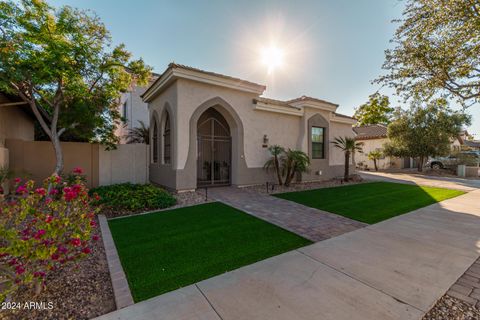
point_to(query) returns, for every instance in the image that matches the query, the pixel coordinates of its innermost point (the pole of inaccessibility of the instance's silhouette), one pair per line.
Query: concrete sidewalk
(395, 269)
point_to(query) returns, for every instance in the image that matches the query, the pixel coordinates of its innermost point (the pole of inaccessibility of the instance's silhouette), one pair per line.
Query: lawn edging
(121, 290)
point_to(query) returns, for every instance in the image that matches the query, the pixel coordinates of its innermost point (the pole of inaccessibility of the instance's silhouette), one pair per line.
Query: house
(209, 129)
(133, 110)
(16, 122)
(373, 137)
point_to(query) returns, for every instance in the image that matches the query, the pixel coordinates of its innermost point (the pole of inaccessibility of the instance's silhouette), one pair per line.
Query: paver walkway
(395, 269)
(310, 223)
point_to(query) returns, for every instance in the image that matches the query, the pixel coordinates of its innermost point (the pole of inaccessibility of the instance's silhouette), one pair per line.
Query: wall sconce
(265, 141)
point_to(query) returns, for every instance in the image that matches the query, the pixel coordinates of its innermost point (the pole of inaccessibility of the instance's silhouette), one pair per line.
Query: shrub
(42, 229)
(133, 197)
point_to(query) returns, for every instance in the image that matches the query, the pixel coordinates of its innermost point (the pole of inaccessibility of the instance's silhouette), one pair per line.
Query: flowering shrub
(44, 228)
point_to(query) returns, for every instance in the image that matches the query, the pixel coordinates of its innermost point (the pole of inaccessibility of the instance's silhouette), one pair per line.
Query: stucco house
(133, 110)
(209, 129)
(373, 137)
(16, 122)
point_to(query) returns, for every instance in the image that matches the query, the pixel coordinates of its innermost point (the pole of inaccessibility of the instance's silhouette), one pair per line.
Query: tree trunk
(353, 160)
(277, 169)
(420, 164)
(289, 171)
(57, 147)
(375, 164)
(347, 166)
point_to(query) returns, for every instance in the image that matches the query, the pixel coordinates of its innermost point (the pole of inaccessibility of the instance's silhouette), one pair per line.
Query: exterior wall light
(265, 141)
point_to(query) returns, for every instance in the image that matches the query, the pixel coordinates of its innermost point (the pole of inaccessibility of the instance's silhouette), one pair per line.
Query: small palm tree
(274, 162)
(295, 161)
(349, 146)
(375, 155)
(138, 135)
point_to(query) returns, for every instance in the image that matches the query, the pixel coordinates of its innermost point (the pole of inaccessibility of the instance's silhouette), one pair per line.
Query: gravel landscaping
(81, 291)
(449, 308)
(300, 186)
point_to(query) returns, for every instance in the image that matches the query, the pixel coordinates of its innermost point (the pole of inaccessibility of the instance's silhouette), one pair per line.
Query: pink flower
(17, 180)
(93, 224)
(78, 170)
(77, 188)
(95, 237)
(22, 190)
(55, 256)
(48, 201)
(41, 191)
(49, 219)
(53, 192)
(39, 274)
(75, 242)
(39, 234)
(86, 250)
(19, 269)
(57, 179)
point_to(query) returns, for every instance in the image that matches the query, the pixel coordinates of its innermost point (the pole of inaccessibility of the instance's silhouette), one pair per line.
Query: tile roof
(174, 65)
(274, 101)
(305, 98)
(372, 131)
(472, 143)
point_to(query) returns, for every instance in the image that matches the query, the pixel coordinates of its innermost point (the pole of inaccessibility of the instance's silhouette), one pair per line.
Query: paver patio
(395, 269)
(313, 224)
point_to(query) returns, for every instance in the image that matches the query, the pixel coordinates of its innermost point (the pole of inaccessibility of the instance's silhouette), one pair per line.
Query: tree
(274, 162)
(286, 163)
(349, 146)
(374, 156)
(294, 161)
(376, 111)
(139, 135)
(61, 61)
(424, 131)
(437, 51)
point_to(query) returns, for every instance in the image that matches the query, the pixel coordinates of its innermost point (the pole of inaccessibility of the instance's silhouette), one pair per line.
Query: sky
(333, 49)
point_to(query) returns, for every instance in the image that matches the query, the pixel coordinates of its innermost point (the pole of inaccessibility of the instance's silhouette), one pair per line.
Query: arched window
(155, 141)
(167, 149)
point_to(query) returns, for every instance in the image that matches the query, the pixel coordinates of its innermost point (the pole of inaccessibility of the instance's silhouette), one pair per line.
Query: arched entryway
(214, 159)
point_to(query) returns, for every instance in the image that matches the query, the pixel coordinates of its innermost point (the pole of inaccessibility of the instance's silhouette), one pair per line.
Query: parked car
(468, 157)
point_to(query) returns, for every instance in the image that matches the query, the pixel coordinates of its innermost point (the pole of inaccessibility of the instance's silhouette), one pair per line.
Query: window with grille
(318, 143)
(167, 140)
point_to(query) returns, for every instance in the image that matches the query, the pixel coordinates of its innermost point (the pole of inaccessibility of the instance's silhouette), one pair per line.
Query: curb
(121, 290)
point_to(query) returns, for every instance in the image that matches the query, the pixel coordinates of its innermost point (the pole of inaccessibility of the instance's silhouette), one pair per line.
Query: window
(124, 111)
(318, 143)
(166, 140)
(155, 142)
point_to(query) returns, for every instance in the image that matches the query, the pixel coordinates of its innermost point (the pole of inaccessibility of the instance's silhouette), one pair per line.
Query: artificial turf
(167, 250)
(371, 202)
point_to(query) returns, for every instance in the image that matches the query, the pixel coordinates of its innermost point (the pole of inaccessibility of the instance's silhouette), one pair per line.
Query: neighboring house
(16, 122)
(133, 110)
(209, 129)
(472, 144)
(373, 137)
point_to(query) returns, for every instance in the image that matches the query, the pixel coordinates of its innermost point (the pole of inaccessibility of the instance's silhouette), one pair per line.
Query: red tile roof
(373, 131)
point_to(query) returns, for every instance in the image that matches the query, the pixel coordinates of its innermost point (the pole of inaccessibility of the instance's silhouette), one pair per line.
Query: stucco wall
(128, 163)
(137, 111)
(15, 123)
(371, 145)
(256, 124)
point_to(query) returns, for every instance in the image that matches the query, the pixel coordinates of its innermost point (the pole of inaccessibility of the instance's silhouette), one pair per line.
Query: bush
(42, 229)
(133, 197)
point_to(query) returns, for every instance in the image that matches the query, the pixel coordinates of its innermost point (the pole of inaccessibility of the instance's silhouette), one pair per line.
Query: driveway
(415, 178)
(395, 269)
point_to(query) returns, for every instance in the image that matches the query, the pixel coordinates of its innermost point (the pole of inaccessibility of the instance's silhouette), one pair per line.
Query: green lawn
(167, 250)
(371, 202)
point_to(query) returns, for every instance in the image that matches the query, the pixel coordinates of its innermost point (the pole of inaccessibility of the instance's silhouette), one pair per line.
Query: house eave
(278, 109)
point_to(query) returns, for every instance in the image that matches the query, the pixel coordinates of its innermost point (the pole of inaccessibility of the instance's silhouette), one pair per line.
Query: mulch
(80, 291)
(450, 308)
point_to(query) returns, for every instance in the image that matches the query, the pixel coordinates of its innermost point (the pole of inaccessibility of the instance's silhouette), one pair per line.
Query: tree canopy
(424, 131)
(436, 51)
(62, 61)
(376, 111)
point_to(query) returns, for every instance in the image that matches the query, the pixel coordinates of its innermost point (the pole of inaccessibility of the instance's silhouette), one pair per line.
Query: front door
(214, 150)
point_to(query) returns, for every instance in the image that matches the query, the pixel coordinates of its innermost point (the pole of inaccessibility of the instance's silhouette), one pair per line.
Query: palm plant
(139, 134)
(349, 146)
(375, 155)
(274, 162)
(294, 161)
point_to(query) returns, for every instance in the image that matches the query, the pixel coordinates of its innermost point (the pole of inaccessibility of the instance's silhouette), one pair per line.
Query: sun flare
(272, 57)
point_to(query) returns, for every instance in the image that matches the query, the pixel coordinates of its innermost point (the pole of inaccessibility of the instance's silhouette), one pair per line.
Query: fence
(36, 160)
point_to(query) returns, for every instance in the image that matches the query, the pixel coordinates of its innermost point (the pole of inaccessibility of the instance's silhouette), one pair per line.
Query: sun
(272, 57)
